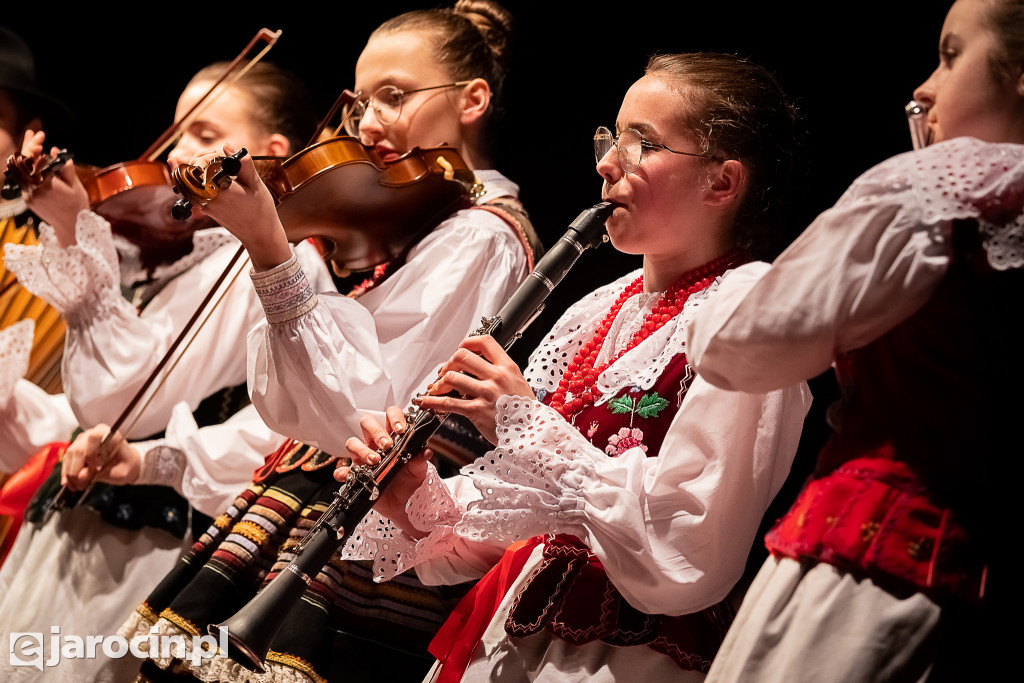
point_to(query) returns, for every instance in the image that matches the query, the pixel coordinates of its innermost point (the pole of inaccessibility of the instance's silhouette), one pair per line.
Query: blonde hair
(279, 101)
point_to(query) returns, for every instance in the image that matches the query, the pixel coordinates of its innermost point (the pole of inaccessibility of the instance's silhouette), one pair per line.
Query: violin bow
(169, 135)
(67, 498)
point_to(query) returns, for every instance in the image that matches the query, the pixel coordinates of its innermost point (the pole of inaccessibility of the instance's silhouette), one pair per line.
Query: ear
(279, 146)
(475, 101)
(1020, 83)
(726, 183)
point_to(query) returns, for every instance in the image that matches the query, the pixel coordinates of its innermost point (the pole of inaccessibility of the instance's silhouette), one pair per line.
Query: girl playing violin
(630, 489)
(91, 563)
(894, 562)
(425, 78)
(31, 413)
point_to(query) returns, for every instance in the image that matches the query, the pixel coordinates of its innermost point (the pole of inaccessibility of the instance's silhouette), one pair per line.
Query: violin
(133, 196)
(359, 209)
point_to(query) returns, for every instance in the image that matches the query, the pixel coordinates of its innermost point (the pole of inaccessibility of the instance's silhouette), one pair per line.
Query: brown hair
(737, 110)
(1005, 19)
(280, 102)
(473, 39)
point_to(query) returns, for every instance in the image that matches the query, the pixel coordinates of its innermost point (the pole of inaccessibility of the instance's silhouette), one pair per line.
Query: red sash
(457, 638)
(18, 490)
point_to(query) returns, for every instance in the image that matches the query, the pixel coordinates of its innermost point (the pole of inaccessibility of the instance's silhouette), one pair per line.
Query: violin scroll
(24, 172)
(198, 186)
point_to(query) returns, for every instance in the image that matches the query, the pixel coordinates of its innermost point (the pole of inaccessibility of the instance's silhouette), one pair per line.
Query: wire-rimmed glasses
(386, 103)
(631, 146)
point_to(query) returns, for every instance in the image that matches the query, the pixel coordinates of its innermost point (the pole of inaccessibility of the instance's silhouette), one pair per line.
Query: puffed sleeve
(208, 465)
(673, 531)
(112, 349)
(30, 418)
(320, 362)
(861, 267)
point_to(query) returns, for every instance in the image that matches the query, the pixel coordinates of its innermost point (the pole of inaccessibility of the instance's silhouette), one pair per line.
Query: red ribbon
(23, 484)
(272, 460)
(18, 490)
(454, 643)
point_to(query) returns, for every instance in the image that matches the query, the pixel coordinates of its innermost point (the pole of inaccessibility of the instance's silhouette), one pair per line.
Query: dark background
(850, 67)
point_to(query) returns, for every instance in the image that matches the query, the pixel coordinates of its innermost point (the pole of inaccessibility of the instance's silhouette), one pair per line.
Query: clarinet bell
(253, 628)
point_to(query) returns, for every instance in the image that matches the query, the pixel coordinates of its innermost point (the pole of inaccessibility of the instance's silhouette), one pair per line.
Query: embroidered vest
(910, 490)
(570, 594)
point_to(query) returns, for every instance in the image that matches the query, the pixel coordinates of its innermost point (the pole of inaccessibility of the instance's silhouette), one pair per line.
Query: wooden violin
(359, 209)
(133, 196)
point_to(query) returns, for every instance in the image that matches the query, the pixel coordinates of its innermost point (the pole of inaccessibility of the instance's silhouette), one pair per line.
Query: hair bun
(494, 22)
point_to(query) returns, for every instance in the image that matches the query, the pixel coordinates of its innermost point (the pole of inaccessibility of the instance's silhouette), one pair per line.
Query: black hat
(18, 75)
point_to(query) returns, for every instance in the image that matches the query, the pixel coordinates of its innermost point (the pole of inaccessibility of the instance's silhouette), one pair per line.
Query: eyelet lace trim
(529, 485)
(959, 179)
(204, 243)
(15, 349)
(80, 280)
(639, 367)
(431, 508)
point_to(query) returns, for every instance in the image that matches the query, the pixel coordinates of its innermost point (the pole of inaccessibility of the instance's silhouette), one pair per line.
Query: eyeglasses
(631, 146)
(386, 103)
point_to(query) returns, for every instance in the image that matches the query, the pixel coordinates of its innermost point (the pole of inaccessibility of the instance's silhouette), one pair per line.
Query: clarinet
(253, 628)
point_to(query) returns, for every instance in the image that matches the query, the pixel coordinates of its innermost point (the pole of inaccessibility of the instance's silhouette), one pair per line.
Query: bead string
(575, 389)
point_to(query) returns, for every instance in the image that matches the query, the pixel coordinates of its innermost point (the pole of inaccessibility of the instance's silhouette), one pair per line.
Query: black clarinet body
(252, 629)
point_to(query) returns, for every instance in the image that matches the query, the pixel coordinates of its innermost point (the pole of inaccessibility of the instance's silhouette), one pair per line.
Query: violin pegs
(182, 209)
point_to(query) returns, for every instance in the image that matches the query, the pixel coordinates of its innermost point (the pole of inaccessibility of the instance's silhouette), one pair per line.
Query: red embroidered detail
(570, 596)
(872, 516)
(575, 390)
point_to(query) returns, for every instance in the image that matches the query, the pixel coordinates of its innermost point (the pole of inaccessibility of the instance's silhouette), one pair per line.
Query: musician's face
(964, 96)
(225, 119)
(428, 119)
(660, 209)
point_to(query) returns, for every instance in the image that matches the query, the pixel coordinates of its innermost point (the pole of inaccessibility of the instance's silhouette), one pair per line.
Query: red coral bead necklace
(576, 388)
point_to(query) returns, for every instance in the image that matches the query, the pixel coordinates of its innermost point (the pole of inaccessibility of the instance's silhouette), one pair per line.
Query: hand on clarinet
(481, 372)
(363, 451)
(59, 199)
(248, 211)
(88, 460)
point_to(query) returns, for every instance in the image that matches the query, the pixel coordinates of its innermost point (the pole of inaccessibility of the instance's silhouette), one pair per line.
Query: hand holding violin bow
(99, 454)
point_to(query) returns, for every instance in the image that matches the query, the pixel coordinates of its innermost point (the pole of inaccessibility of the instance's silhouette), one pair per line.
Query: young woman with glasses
(894, 563)
(424, 79)
(630, 489)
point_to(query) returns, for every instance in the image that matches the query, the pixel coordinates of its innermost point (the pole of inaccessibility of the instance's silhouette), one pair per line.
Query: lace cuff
(82, 281)
(284, 291)
(431, 508)
(15, 348)
(162, 465)
(531, 482)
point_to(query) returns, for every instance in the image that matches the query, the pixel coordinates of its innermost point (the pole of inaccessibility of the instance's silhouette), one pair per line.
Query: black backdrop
(851, 67)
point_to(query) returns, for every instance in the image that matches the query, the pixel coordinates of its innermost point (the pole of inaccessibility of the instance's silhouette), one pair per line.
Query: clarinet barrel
(252, 629)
